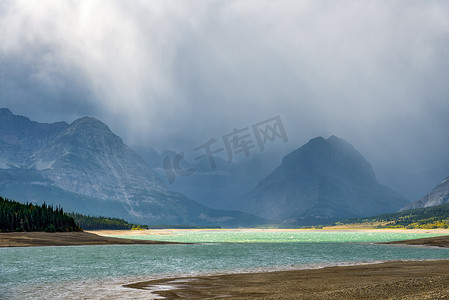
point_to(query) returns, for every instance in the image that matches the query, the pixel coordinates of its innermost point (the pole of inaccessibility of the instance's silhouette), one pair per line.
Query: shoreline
(437, 241)
(174, 231)
(38, 239)
(386, 280)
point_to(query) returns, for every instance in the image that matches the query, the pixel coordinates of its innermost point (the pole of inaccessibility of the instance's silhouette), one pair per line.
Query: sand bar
(438, 241)
(29, 239)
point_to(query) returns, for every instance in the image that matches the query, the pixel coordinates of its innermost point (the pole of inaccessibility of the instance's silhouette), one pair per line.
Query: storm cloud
(172, 74)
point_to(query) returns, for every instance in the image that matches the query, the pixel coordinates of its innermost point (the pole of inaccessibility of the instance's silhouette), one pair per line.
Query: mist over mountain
(412, 185)
(217, 188)
(172, 77)
(86, 168)
(437, 196)
(323, 181)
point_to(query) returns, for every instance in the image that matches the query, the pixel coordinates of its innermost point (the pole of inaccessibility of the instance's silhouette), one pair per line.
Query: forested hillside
(15, 216)
(95, 223)
(102, 223)
(428, 218)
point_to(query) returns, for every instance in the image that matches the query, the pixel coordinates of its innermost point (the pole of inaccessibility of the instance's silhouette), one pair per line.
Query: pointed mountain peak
(318, 139)
(5, 112)
(334, 144)
(343, 145)
(92, 132)
(329, 156)
(90, 124)
(333, 139)
(7, 115)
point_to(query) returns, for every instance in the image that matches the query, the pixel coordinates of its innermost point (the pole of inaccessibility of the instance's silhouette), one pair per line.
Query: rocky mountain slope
(323, 181)
(437, 196)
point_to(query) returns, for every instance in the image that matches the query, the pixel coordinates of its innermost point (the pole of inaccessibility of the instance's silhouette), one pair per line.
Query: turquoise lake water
(96, 272)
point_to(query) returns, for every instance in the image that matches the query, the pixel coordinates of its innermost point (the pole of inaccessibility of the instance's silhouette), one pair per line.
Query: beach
(390, 280)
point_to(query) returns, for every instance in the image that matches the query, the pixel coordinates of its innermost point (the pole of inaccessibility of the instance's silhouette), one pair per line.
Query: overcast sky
(172, 74)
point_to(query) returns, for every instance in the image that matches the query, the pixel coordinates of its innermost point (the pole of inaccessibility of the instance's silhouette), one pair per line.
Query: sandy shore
(329, 229)
(390, 280)
(28, 239)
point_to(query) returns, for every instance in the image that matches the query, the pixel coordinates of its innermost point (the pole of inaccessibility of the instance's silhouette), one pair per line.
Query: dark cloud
(173, 74)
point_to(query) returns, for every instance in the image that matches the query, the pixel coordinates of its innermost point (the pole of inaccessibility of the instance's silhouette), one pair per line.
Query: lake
(100, 271)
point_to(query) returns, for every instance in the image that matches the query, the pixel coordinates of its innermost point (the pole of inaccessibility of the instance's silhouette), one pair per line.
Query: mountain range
(84, 167)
